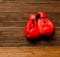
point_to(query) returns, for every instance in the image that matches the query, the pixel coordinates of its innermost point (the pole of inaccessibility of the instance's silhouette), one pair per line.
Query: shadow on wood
(41, 38)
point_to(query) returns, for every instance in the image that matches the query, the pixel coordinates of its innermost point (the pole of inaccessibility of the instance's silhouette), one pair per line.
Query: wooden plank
(30, 51)
(37, 1)
(28, 6)
(14, 19)
(14, 36)
(13, 24)
(43, 1)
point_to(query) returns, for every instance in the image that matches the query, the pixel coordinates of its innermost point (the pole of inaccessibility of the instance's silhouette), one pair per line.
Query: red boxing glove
(31, 28)
(37, 25)
(40, 14)
(45, 25)
(32, 17)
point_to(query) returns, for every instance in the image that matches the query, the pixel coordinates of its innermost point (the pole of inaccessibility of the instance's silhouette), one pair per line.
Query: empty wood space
(30, 51)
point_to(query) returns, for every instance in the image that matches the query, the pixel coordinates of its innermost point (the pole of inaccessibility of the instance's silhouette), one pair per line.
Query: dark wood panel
(19, 19)
(42, 1)
(4, 1)
(29, 6)
(13, 23)
(14, 36)
(13, 17)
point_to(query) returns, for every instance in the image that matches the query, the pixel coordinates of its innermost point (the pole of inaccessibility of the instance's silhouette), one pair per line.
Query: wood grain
(30, 51)
(29, 6)
(14, 36)
(14, 15)
(8, 19)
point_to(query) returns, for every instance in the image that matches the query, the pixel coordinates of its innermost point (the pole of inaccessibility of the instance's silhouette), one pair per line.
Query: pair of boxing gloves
(38, 24)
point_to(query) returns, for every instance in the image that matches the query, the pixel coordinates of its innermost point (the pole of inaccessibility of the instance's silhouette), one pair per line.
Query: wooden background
(13, 18)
